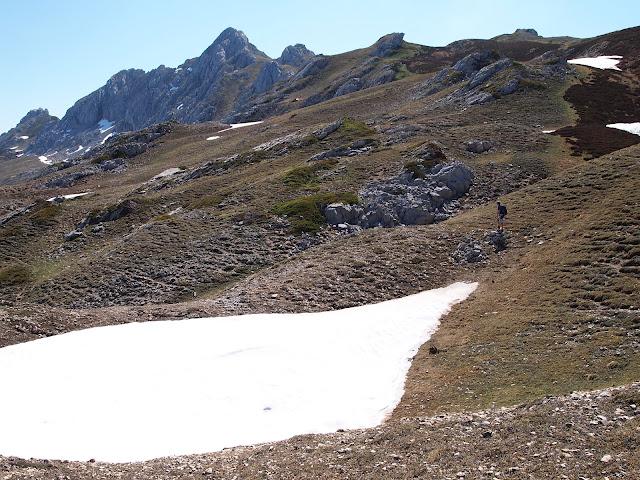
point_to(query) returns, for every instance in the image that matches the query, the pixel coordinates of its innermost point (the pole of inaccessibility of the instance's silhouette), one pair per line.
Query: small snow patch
(107, 138)
(14, 148)
(24, 137)
(548, 131)
(605, 62)
(627, 127)
(45, 160)
(233, 126)
(80, 147)
(215, 137)
(19, 155)
(71, 196)
(179, 107)
(155, 389)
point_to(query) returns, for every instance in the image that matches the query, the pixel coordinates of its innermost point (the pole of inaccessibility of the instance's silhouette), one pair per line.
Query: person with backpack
(502, 213)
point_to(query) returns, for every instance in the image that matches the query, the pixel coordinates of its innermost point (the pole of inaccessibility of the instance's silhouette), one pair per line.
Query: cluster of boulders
(407, 199)
(97, 218)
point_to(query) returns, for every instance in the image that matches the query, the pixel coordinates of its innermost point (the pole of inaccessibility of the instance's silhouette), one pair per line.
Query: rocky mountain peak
(387, 44)
(529, 32)
(232, 45)
(295, 55)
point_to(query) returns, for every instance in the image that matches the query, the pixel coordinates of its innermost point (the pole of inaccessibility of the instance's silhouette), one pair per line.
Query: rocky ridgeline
(411, 198)
(484, 76)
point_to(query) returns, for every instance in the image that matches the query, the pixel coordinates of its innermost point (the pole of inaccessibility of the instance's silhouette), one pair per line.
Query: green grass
(306, 213)
(206, 201)
(532, 84)
(307, 175)
(355, 129)
(15, 275)
(46, 214)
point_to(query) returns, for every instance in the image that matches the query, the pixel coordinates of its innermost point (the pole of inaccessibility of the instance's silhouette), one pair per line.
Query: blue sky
(55, 51)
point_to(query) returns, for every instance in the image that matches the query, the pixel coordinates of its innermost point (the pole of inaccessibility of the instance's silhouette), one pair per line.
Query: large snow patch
(604, 62)
(627, 127)
(144, 390)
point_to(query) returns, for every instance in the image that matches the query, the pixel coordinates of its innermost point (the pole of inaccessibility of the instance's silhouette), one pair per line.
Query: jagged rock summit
(296, 55)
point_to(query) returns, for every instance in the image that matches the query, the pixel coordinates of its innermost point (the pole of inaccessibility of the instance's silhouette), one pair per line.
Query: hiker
(502, 213)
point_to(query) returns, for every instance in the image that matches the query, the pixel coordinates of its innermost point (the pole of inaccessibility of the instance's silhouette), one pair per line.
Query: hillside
(341, 193)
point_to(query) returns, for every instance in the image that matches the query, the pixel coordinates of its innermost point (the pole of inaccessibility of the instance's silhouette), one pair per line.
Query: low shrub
(14, 275)
(306, 214)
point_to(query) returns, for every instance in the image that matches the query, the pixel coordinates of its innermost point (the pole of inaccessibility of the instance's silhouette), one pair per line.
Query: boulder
(498, 240)
(73, 235)
(327, 130)
(479, 146)
(510, 87)
(339, 213)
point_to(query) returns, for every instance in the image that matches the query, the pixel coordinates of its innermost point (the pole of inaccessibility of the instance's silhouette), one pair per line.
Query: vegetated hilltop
(194, 219)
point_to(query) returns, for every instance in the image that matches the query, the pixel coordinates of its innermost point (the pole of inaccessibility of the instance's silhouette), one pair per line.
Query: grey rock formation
(485, 73)
(405, 199)
(269, 75)
(388, 44)
(529, 32)
(109, 214)
(475, 61)
(478, 146)
(350, 86)
(296, 55)
(357, 147)
(19, 139)
(324, 132)
(314, 66)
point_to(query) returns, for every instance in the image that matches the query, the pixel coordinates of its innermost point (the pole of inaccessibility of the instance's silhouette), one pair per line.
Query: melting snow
(627, 127)
(145, 390)
(71, 196)
(107, 138)
(606, 62)
(105, 125)
(45, 160)
(80, 147)
(233, 126)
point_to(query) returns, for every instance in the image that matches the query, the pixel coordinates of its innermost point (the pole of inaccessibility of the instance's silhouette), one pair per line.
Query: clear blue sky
(53, 52)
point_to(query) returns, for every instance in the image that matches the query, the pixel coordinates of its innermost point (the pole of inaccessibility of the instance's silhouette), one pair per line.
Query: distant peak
(296, 55)
(231, 33)
(387, 44)
(232, 42)
(526, 31)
